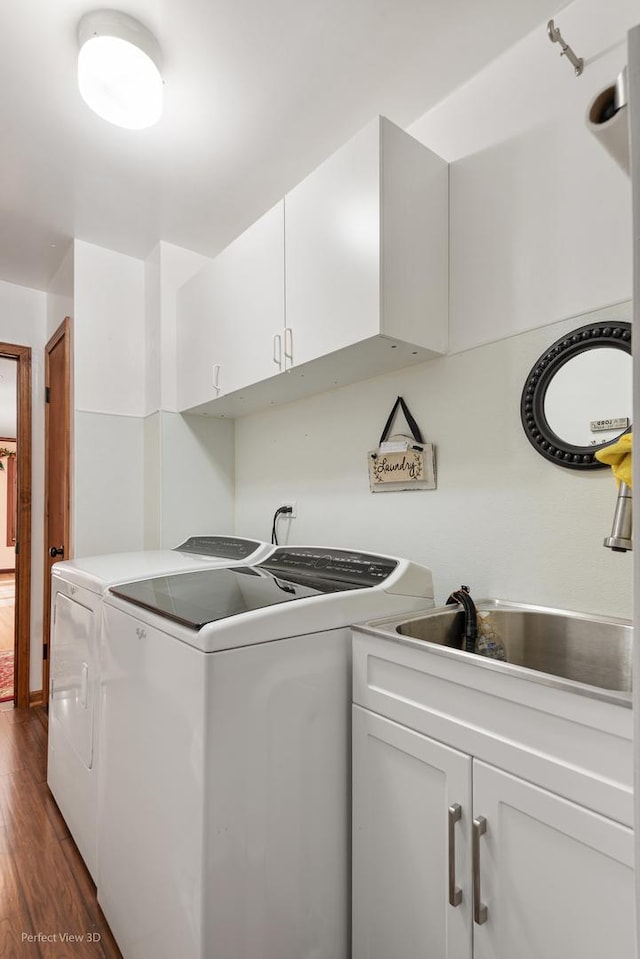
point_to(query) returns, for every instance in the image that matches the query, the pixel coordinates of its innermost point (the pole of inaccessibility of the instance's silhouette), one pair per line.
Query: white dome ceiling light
(119, 69)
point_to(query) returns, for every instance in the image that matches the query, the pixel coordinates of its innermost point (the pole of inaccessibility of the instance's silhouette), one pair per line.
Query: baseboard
(12, 570)
(36, 698)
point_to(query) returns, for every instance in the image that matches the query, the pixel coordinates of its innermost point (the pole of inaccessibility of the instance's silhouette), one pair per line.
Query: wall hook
(556, 37)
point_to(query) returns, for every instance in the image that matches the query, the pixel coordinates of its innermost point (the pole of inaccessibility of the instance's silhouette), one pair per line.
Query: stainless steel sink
(591, 650)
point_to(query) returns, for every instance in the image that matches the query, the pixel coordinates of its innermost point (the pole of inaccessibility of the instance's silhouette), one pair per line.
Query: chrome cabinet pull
(455, 815)
(216, 377)
(479, 911)
(277, 350)
(84, 684)
(288, 345)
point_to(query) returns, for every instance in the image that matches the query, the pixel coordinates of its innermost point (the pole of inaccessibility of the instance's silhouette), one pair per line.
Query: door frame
(62, 333)
(22, 639)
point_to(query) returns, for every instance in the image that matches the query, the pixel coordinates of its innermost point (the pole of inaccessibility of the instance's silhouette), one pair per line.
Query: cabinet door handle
(479, 910)
(84, 684)
(455, 815)
(288, 345)
(216, 377)
(277, 350)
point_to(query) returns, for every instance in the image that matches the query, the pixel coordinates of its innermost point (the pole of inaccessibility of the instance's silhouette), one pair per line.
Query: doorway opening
(15, 522)
(8, 491)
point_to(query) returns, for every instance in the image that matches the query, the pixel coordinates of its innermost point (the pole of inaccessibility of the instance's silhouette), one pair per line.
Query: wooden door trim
(22, 645)
(62, 333)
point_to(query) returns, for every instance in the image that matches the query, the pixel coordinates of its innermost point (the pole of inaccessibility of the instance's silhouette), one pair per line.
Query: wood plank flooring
(46, 892)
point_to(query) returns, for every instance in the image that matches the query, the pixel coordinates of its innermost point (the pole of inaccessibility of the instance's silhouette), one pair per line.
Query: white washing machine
(77, 589)
(225, 773)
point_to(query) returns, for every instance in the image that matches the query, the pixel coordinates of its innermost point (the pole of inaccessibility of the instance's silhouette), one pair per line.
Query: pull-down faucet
(479, 634)
(462, 597)
(620, 539)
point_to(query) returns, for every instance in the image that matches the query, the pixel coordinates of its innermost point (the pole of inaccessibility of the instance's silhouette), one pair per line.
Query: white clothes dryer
(225, 773)
(77, 589)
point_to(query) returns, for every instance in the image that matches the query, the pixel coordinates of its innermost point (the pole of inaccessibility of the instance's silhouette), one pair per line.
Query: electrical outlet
(292, 514)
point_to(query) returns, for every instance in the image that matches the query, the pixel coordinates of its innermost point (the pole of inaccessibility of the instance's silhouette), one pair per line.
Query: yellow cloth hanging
(618, 457)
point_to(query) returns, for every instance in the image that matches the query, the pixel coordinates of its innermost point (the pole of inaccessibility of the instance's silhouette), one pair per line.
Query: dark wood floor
(46, 892)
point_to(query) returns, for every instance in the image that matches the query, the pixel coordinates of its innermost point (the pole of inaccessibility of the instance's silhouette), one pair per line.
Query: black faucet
(462, 597)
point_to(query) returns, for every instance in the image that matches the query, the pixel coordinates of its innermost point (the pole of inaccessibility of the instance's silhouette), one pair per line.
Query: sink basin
(591, 650)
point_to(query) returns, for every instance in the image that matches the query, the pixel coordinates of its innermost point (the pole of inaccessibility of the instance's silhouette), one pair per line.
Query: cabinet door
(250, 304)
(332, 223)
(403, 787)
(556, 879)
(198, 339)
(229, 314)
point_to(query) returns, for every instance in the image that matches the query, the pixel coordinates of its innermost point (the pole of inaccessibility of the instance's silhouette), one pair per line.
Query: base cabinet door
(411, 829)
(454, 858)
(555, 879)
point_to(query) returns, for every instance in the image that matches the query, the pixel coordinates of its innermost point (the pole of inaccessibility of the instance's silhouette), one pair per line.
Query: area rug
(6, 675)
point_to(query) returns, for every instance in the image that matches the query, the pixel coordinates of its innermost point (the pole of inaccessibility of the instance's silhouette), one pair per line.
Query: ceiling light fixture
(119, 69)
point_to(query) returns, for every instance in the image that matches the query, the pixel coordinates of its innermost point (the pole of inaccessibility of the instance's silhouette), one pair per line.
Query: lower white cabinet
(454, 858)
(403, 786)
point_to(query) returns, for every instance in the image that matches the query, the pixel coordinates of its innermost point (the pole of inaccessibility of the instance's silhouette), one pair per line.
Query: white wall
(197, 471)
(109, 331)
(23, 318)
(540, 228)
(60, 293)
(109, 489)
(540, 215)
(503, 520)
(188, 461)
(189, 478)
(109, 400)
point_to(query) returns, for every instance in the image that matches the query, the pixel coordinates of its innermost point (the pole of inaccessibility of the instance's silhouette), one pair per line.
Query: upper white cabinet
(367, 247)
(229, 314)
(350, 281)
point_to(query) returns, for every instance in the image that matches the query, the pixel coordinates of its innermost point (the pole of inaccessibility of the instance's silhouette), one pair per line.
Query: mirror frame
(534, 421)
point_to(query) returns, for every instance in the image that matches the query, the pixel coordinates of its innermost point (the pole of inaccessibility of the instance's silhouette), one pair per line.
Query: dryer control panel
(225, 547)
(347, 566)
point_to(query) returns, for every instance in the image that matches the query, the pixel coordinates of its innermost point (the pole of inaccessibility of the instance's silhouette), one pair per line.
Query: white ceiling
(258, 92)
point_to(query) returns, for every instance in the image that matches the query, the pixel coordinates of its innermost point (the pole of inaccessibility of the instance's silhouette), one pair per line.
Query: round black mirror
(577, 397)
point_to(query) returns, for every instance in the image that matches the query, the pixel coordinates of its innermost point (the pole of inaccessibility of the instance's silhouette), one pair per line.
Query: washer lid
(205, 596)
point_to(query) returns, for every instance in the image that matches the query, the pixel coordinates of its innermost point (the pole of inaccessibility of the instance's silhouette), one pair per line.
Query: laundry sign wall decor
(401, 462)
